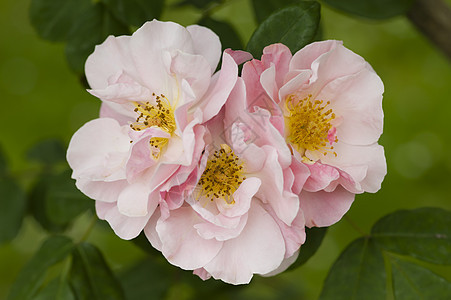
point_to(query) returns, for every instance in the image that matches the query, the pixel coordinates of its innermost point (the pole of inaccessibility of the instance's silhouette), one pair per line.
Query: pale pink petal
(99, 150)
(301, 174)
(294, 234)
(239, 56)
(149, 44)
(278, 55)
(195, 69)
(365, 164)
(109, 58)
(151, 232)
(125, 227)
(220, 88)
(207, 44)
(284, 202)
(287, 262)
(304, 58)
(259, 249)
(136, 201)
(212, 231)
(181, 244)
(124, 89)
(325, 208)
(106, 191)
(321, 176)
(202, 273)
(242, 198)
(357, 99)
(295, 84)
(115, 111)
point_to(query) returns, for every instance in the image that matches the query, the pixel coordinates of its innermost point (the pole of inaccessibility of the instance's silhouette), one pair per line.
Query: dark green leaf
(148, 279)
(411, 281)
(314, 239)
(264, 8)
(373, 9)
(135, 12)
(228, 35)
(53, 19)
(3, 163)
(38, 204)
(423, 233)
(57, 289)
(50, 151)
(64, 201)
(12, 203)
(93, 26)
(358, 273)
(294, 26)
(90, 276)
(53, 250)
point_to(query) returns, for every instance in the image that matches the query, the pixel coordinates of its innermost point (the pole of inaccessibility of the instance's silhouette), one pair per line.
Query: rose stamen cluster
(222, 176)
(308, 124)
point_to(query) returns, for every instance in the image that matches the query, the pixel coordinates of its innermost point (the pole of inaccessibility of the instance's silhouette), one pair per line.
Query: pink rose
(326, 101)
(157, 88)
(239, 217)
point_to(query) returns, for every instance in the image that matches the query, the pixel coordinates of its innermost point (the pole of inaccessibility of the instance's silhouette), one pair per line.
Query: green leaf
(52, 251)
(411, 281)
(55, 201)
(93, 26)
(148, 279)
(90, 276)
(57, 289)
(315, 236)
(53, 19)
(372, 9)
(135, 12)
(12, 203)
(423, 233)
(228, 35)
(358, 273)
(264, 8)
(38, 204)
(50, 151)
(64, 202)
(294, 26)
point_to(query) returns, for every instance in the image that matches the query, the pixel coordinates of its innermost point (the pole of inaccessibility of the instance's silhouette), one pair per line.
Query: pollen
(159, 114)
(308, 124)
(222, 176)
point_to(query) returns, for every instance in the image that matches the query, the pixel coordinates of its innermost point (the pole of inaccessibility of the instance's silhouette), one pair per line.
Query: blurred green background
(40, 98)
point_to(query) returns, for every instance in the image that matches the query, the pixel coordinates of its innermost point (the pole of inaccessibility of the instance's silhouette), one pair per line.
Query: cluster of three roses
(223, 172)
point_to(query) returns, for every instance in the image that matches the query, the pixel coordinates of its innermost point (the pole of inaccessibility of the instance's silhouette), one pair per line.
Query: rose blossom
(157, 88)
(239, 217)
(326, 101)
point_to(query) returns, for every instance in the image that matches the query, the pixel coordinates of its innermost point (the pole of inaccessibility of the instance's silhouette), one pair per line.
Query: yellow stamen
(222, 176)
(308, 123)
(160, 115)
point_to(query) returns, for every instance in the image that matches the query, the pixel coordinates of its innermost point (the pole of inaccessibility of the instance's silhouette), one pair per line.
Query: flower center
(308, 125)
(160, 115)
(222, 176)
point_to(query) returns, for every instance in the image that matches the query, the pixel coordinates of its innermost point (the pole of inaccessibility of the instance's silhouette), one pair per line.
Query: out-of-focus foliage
(42, 98)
